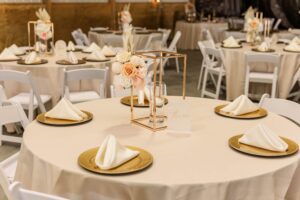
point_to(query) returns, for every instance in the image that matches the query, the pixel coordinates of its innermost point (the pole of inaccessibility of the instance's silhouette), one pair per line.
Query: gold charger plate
(256, 151)
(238, 47)
(110, 56)
(65, 62)
(268, 51)
(43, 61)
(87, 161)
(127, 101)
(260, 113)
(94, 60)
(61, 122)
(10, 60)
(291, 51)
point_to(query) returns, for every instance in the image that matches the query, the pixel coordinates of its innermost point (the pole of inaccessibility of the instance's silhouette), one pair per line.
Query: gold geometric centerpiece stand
(152, 121)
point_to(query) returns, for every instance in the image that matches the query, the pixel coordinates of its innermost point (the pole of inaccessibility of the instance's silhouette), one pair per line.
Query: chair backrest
(19, 193)
(86, 74)
(172, 45)
(77, 38)
(60, 44)
(216, 54)
(205, 43)
(114, 92)
(208, 35)
(11, 112)
(3, 96)
(25, 78)
(272, 59)
(283, 107)
(276, 26)
(166, 34)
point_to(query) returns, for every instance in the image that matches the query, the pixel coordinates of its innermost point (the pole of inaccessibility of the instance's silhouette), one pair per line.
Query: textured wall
(67, 17)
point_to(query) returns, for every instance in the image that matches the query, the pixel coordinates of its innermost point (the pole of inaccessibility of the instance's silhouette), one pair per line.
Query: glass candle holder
(157, 102)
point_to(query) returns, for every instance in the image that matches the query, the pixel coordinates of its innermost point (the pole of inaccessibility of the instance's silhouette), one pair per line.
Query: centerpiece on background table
(43, 31)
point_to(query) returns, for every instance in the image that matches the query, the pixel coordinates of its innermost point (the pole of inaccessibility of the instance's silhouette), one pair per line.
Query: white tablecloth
(236, 69)
(193, 32)
(199, 166)
(49, 77)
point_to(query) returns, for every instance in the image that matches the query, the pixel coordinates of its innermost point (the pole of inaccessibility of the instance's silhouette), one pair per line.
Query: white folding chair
(83, 37)
(30, 101)
(276, 26)
(60, 45)
(262, 77)
(202, 45)
(172, 48)
(11, 112)
(77, 38)
(154, 42)
(207, 35)
(296, 79)
(85, 74)
(283, 107)
(119, 92)
(215, 69)
(166, 34)
(20, 193)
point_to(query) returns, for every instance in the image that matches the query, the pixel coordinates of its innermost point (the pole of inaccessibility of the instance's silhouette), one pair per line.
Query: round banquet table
(116, 40)
(196, 166)
(48, 77)
(236, 70)
(191, 33)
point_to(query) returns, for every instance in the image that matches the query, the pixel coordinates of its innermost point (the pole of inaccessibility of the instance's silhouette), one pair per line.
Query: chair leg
(204, 83)
(273, 93)
(218, 87)
(177, 65)
(1, 134)
(246, 90)
(200, 76)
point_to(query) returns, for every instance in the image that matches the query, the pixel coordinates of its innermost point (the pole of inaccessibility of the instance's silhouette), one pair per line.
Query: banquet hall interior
(149, 99)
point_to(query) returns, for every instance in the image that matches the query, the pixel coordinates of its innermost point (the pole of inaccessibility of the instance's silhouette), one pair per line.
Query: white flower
(123, 56)
(121, 81)
(138, 61)
(116, 67)
(43, 31)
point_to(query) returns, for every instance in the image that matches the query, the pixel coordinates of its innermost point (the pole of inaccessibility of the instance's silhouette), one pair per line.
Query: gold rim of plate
(127, 101)
(290, 51)
(268, 51)
(87, 161)
(61, 122)
(94, 60)
(256, 151)
(237, 47)
(43, 61)
(260, 113)
(10, 60)
(65, 62)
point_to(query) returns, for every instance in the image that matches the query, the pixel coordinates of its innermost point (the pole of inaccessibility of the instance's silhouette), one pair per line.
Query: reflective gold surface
(65, 62)
(252, 115)
(234, 143)
(126, 101)
(268, 51)
(94, 60)
(42, 61)
(87, 161)
(61, 122)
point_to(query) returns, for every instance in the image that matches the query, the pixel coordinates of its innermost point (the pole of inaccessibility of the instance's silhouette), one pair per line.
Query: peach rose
(129, 70)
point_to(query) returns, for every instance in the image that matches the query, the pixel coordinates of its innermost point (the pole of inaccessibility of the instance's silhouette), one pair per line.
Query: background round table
(198, 166)
(191, 33)
(49, 77)
(236, 71)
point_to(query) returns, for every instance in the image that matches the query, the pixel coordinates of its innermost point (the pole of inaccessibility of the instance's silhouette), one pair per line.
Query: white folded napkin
(263, 137)
(263, 47)
(96, 55)
(16, 50)
(295, 40)
(71, 46)
(112, 154)
(108, 51)
(64, 109)
(240, 106)
(32, 58)
(6, 54)
(292, 47)
(230, 42)
(92, 47)
(72, 58)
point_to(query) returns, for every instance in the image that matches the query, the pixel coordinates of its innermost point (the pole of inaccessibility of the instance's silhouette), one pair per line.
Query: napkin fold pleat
(72, 58)
(240, 106)
(16, 50)
(96, 55)
(112, 154)
(230, 42)
(92, 47)
(32, 58)
(108, 51)
(6, 54)
(263, 137)
(64, 109)
(263, 47)
(71, 46)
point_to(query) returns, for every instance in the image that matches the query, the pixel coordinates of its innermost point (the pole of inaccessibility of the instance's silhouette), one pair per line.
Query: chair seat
(76, 97)
(216, 70)
(261, 77)
(23, 99)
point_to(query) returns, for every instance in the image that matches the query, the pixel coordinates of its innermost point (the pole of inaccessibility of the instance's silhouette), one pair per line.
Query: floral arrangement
(253, 24)
(129, 71)
(43, 27)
